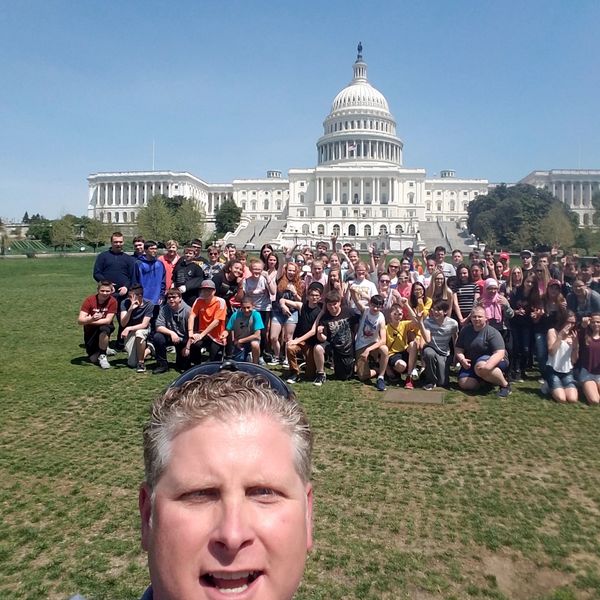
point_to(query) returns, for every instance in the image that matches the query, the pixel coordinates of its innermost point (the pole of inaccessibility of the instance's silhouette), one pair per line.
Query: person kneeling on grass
(136, 314)
(96, 315)
(563, 352)
(402, 349)
(245, 326)
(589, 360)
(481, 353)
(171, 330)
(437, 330)
(371, 341)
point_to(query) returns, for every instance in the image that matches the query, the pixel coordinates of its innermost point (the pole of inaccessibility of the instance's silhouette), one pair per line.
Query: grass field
(477, 498)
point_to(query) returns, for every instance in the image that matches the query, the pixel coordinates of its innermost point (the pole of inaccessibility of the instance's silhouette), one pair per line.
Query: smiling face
(231, 516)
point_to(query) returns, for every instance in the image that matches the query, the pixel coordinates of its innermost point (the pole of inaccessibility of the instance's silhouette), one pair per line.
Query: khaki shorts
(131, 348)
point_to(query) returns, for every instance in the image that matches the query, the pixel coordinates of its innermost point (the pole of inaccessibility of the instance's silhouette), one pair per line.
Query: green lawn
(477, 498)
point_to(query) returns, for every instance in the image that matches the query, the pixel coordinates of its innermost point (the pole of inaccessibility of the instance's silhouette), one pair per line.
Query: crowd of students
(402, 320)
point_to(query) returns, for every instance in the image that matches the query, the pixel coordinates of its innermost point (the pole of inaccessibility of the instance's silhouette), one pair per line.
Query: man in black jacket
(188, 275)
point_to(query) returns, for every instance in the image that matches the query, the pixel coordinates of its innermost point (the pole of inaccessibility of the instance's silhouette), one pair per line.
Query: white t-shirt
(366, 289)
(368, 329)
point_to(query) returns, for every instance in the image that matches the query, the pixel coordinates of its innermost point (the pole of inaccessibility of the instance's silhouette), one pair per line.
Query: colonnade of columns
(382, 190)
(574, 193)
(364, 149)
(129, 193)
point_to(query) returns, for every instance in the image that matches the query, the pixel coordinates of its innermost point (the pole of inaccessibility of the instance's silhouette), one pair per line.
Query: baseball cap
(504, 255)
(208, 284)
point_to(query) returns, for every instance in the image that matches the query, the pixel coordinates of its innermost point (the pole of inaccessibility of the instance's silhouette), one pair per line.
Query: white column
(361, 199)
(590, 193)
(572, 193)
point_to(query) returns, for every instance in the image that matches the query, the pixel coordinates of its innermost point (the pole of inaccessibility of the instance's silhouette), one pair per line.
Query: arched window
(253, 205)
(266, 204)
(355, 199)
(411, 198)
(336, 230)
(305, 229)
(109, 217)
(383, 230)
(586, 219)
(301, 198)
(367, 231)
(344, 198)
(278, 205)
(399, 230)
(124, 217)
(320, 229)
(132, 217)
(116, 217)
(352, 230)
(452, 206)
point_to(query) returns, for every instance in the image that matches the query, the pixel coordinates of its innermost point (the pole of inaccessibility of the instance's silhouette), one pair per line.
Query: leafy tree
(557, 228)
(95, 232)
(62, 233)
(588, 240)
(25, 218)
(519, 216)
(188, 222)
(227, 217)
(155, 220)
(596, 205)
(39, 229)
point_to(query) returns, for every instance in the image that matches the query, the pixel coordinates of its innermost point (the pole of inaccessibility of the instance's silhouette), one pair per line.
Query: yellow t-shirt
(398, 337)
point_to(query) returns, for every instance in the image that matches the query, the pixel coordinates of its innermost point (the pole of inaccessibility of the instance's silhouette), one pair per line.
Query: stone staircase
(444, 233)
(257, 233)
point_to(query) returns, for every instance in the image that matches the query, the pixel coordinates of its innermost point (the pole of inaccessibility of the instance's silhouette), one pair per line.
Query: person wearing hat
(526, 262)
(505, 260)
(206, 324)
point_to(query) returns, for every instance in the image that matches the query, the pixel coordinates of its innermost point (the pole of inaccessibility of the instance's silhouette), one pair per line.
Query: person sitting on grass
(563, 351)
(305, 339)
(245, 326)
(96, 315)
(136, 314)
(437, 331)
(481, 353)
(371, 340)
(589, 360)
(171, 330)
(401, 345)
(336, 329)
(206, 325)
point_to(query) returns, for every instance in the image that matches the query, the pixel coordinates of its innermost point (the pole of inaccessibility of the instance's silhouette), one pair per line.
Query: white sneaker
(103, 362)
(111, 352)
(414, 374)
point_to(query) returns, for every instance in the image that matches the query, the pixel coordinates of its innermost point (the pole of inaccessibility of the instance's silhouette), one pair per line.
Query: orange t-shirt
(206, 312)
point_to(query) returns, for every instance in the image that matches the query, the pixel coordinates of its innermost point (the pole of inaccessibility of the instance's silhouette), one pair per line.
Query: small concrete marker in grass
(399, 395)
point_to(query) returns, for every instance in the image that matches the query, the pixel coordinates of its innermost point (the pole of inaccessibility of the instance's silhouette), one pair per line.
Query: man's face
(438, 315)
(457, 258)
(586, 272)
(138, 247)
(230, 512)
(579, 288)
(197, 248)
(189, 254)
(151, 251)
(526, 260)
(104, 292)
(314, 297)
(231, 252)
(247, 307)
(478, 319)
(116, 244)
(440, 255)
(321, 247)
(543, 260)
(334, 308)
(346, 248)
(174, 301)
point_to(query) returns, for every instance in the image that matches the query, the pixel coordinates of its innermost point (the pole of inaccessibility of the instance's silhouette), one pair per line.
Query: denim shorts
(283, 320)
(502, 365)
(585, 376)
(558, 381)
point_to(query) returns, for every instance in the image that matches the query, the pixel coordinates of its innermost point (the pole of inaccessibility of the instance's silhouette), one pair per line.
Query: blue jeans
(521, 334)
(541, 353)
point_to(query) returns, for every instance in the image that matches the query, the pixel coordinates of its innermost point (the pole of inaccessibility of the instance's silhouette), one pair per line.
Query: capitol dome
(359, 126)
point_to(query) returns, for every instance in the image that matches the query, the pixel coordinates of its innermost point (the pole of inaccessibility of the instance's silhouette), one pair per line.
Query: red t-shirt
(91, 306)
(206, 312)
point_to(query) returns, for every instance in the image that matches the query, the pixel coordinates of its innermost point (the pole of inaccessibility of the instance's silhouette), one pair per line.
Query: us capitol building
(359, 190)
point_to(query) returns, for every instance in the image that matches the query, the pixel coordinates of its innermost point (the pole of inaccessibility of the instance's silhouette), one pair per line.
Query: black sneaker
(141, 367)
(161, 368)
(320, 379)
(504, 392)
(293, 378)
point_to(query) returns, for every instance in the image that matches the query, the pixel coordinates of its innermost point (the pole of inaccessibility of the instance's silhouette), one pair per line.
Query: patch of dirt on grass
(520, 579)
(577, 494)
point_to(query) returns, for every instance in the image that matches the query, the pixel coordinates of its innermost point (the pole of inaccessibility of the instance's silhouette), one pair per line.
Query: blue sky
(231, 89)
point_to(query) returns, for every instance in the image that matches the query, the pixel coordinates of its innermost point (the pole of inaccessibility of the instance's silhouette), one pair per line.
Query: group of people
(390, 320)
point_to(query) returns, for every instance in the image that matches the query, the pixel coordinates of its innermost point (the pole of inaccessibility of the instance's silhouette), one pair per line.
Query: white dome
(360, 94)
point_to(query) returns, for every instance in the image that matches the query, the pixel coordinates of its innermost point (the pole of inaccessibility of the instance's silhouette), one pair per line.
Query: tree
(556, 228)
(512, 217)
(596, 205)
(588, 240)
(95, 233)
(188, 222)
(39, 229)
(25, 218)
(155, 220)
(62, 233)
(227, 217)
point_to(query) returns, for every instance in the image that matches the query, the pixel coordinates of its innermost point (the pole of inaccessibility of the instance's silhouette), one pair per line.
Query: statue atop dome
(359, 51)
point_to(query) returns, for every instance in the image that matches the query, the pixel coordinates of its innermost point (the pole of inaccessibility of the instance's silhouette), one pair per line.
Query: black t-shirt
(224, 288)
(339, 331)
(306, 320)
(479, 343)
